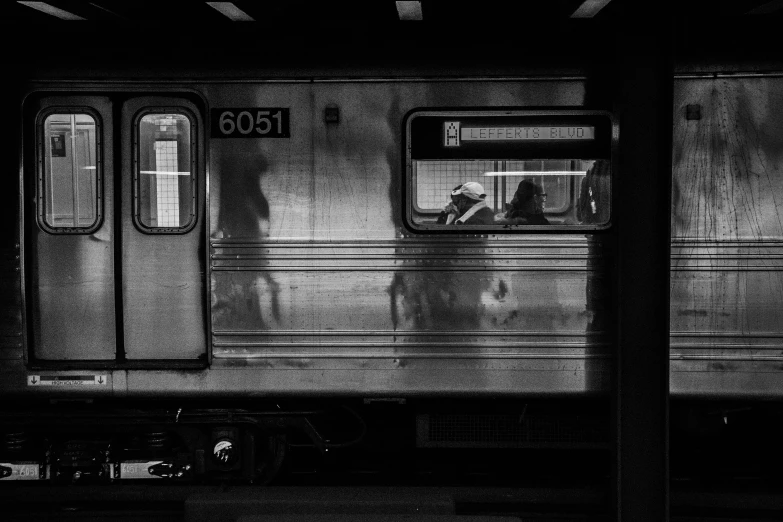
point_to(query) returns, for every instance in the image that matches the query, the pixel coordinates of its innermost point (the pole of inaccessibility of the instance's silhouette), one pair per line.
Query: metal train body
(726, 237)
(301, 278)
(298, 275)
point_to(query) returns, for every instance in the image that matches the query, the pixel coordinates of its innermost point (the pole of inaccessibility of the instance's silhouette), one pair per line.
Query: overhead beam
(54, 11)
(641, 63)
(589, 8)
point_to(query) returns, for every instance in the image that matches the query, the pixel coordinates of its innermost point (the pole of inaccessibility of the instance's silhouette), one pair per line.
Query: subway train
(207, 273)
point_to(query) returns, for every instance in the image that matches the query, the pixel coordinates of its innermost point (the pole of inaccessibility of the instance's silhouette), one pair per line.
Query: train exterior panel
(301, 276)
(315, 283)
(314, 273)
(726, 284)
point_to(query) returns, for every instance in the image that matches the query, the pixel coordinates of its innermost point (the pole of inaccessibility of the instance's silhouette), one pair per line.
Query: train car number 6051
(261, 122)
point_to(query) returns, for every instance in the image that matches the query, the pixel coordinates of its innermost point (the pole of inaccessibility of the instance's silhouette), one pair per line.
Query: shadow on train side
(494, 300)
(243, 212)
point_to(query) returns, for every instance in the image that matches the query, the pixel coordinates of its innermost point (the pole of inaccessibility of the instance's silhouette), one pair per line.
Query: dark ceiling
(497, 35)
(517, 14)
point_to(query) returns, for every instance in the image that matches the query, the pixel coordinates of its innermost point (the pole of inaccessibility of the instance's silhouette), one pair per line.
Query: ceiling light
(51, 10)
(590, 8)
(231, 11)
(409, 10)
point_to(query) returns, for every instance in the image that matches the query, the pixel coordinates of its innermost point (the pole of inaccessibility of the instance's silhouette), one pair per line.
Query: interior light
(409, 10)
(164, 172)
(231, 11)
(538, 173)
(51, 10)
(590, 8)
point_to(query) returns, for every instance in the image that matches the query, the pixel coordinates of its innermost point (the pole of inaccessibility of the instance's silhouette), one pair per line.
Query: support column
(642, 216)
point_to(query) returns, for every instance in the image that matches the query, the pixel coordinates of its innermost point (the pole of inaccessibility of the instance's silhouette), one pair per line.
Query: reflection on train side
(314, 270)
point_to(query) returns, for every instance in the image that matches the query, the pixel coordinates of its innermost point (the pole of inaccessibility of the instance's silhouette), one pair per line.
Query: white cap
(471, 189)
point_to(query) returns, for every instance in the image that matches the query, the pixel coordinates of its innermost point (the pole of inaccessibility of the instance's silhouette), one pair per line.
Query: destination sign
(454, 133)
(510, 135)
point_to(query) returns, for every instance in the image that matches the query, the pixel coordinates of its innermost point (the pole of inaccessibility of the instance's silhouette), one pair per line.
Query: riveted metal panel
(727, 251)
(11, 338)
(727, 164)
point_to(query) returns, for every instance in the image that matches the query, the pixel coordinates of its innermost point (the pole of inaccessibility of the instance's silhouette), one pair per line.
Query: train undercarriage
(378, 441)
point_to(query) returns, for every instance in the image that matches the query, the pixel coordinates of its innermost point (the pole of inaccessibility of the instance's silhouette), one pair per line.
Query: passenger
(593, 204)
(450, 211)
(467, 207)
(527, 206)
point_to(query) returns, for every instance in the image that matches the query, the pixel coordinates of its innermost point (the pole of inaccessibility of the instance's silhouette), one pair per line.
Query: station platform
(307, 504)
(186, 503)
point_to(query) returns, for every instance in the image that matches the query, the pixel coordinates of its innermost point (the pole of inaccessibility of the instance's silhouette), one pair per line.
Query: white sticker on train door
(67, 380)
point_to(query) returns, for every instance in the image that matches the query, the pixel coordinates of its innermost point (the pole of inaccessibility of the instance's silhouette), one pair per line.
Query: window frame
(409, 199)
(40, 150)
(135, 167)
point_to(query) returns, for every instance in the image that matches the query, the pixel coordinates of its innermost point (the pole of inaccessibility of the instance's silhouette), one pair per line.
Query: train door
(162, 272)
(116, 234)
(69, 217)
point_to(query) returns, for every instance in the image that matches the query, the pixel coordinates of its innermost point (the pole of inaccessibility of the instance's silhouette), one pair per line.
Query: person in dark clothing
(527, 206)
(450, 212)
(594, 194)
(467, 207)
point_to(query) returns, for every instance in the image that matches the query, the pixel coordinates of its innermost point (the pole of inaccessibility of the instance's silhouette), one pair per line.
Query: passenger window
(164, 194)
(509, 171)
(69, 182)
(556, 183)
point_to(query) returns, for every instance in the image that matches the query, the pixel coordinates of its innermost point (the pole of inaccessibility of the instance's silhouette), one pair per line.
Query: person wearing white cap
(467, 206)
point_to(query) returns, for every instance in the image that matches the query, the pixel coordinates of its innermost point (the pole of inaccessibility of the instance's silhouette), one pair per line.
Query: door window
(164, 195)
(69, 179)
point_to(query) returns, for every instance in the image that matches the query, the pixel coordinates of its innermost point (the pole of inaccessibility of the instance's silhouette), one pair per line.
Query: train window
(164, 173)
(509, 171)
(69, 180)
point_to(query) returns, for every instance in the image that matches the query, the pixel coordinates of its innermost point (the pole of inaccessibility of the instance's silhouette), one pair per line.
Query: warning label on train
(260, 122)
(66, 380)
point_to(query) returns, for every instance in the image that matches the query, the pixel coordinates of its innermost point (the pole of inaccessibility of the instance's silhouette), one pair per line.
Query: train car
(273, 240)
(206, 271)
